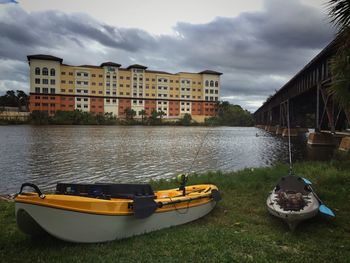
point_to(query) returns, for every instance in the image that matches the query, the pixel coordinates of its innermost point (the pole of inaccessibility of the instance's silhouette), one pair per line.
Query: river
(45, 155)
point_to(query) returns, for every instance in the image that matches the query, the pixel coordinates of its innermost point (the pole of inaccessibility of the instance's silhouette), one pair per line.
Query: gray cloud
(257, 51)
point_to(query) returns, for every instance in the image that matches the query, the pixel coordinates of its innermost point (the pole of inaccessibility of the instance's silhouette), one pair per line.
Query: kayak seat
(106, 191)
(294, 184)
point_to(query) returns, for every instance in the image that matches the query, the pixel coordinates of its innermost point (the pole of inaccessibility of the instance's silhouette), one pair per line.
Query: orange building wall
(123, 104)
(174, 108)
(97, 105)
(150, 105)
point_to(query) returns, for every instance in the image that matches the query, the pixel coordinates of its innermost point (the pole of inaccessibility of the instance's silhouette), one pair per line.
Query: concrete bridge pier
(279, 130)
(321, 139)
(293, 132)
(345, 144)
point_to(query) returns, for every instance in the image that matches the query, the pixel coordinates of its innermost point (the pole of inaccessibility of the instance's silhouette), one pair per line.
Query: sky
(258, 45)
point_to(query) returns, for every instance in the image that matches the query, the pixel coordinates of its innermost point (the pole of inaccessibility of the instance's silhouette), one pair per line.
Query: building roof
(211, 72)
(44, 57)
(159, 72)
(87, 66)
(136, 66)
(110, 64)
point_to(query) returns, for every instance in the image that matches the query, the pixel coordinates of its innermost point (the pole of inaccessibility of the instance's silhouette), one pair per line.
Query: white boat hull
(91, 228)
(292, 218)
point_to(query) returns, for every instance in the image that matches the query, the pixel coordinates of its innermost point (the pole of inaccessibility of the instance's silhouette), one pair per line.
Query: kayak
(293, 201)
(90, 213)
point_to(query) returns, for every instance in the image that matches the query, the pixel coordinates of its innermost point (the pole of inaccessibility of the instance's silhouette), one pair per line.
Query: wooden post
(317, 128)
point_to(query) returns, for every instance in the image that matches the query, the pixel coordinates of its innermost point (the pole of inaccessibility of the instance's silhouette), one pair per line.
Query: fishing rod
(184, 177)
(289, 144)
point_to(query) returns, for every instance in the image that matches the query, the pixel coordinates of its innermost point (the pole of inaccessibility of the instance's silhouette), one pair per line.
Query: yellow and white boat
(90, 213)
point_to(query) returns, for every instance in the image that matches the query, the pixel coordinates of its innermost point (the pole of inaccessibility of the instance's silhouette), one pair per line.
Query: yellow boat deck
(196, 195)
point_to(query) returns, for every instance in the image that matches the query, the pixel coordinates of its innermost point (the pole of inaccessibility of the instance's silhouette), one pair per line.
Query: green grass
(239, 229)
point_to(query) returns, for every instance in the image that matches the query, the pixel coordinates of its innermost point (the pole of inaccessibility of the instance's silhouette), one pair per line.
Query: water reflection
(46, 155)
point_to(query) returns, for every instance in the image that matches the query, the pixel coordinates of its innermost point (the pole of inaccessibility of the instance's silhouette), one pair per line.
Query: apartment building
(55, 86)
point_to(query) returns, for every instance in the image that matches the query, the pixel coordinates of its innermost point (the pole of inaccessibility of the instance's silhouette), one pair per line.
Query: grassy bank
(239, 229)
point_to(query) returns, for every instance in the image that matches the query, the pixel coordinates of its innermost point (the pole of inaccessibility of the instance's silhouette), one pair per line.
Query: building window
(45, 90)
(37, 90)
(93, 75)
(216, 83)
(52, 91)
(211, 83)
(45, 72)
(37, 71)
(70, 73)
(37, 81)
(207, 83)
(52, 72)
(63, 73)
(45, 81)
(37, 104)
(100, 76)
(52, 82)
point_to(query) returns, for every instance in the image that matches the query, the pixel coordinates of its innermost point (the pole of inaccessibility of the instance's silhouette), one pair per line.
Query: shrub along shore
(239, 229)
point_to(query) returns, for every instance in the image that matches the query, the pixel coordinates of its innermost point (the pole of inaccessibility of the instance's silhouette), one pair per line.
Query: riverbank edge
(239, 229)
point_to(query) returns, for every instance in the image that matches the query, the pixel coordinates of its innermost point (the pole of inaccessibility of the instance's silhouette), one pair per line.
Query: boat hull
(82, 227)
(292, 218)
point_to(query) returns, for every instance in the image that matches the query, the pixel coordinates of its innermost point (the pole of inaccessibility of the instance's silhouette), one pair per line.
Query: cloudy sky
(258, 44)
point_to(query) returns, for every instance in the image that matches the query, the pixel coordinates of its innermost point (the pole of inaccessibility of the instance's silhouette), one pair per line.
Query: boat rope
(178, 209)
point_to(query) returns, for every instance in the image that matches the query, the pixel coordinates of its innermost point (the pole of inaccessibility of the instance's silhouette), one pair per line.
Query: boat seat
(104, 190)
(291, 183)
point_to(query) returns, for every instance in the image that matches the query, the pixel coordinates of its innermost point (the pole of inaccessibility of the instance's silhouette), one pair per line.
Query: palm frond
(339, 11)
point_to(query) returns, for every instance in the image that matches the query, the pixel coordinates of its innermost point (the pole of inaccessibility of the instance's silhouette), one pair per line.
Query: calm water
(46, 155)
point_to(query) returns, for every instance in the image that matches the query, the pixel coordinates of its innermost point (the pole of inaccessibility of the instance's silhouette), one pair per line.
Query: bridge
(309, 105)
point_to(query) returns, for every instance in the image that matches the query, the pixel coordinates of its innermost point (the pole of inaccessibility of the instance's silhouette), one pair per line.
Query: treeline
(231, 115)
(13, 98)
(78, 117)
(75, 117)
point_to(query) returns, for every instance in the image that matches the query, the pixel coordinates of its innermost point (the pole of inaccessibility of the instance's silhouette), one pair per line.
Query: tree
(161, 114)
(143, 113)
(23, 99)
(339, 12)
(186, 119)
(129, 114)
(231, 115)
(14, 99)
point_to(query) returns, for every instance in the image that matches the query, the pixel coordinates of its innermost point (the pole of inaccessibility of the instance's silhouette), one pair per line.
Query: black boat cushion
(103, 190)
(291, 183)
